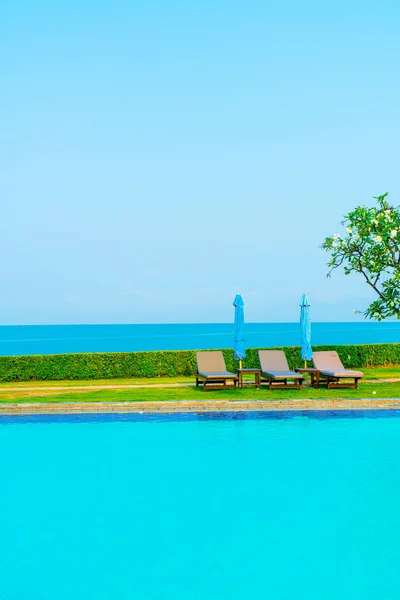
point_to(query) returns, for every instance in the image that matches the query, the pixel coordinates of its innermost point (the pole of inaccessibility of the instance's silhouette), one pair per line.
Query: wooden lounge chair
(275, 369)
(332, 370)
(211, 371)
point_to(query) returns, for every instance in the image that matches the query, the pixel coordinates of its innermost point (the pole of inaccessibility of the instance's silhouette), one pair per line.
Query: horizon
(385, 322)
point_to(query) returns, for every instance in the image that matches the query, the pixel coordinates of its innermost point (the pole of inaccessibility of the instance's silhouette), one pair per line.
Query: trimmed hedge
(168, 363)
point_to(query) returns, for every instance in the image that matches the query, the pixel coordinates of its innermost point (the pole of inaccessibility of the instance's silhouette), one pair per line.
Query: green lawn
(382, 390)
(36, 393)
(96, 382)
(382, 372)
(370, 373)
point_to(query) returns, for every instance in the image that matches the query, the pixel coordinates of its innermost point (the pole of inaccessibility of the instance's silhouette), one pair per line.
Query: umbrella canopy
(305, 328)
(238, 346)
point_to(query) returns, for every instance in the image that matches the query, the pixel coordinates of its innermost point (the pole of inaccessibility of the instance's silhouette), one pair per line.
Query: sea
(61, 339)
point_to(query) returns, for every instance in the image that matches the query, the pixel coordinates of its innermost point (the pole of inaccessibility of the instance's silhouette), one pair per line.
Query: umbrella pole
(305, 364)
(240, 364)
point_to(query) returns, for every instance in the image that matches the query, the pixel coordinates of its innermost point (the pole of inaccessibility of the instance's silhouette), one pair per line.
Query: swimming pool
(242, 506)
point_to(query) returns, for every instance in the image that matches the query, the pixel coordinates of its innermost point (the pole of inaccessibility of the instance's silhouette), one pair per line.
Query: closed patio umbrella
(238, 346)
(305, 329)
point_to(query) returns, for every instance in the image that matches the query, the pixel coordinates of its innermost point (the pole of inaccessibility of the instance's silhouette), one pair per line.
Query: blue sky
(158, 157)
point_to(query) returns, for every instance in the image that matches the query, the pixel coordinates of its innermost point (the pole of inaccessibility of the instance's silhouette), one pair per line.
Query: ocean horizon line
(191, 323)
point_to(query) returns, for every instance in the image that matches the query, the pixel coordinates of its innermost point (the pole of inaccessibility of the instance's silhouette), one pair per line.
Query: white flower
(374, 392)
(378, 239)
(354, 311)
(393, 233)
(375, 222)
(336, 236)
(349, 230)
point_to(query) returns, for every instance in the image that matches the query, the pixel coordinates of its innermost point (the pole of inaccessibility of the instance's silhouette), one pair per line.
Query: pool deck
(35, 408)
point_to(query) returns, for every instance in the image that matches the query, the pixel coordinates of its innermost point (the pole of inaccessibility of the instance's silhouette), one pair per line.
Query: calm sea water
(200, 508)
(59, 339)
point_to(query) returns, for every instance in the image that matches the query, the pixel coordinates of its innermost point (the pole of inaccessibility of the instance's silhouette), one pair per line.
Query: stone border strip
(36, 408)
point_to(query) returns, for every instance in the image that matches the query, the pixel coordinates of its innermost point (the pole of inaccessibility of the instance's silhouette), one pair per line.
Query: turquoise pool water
(186, 507)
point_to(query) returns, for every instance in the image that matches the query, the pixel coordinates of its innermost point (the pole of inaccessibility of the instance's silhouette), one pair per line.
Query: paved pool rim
(191, 406)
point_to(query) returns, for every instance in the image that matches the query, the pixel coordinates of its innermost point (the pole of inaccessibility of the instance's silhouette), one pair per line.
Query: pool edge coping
(167, 407)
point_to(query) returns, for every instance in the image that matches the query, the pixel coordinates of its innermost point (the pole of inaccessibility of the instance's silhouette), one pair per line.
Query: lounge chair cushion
(210, 362)
(329, 363)
(273, 361)
(342, 373)
(274, 364)
(217, 374)
(282, 374)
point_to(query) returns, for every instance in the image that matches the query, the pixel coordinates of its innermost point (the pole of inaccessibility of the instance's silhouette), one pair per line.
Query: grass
(382, 372)
(366, 390)
(97, 382)
(369, 373)
(36, 393)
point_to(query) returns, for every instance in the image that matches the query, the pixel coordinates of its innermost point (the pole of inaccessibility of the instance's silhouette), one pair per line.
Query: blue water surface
(255, 506)
(59, 339)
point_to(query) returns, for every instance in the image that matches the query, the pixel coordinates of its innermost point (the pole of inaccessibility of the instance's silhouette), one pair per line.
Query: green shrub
(167, 363)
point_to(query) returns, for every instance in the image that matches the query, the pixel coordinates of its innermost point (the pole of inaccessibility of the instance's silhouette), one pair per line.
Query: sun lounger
(275, 369)
(211, 371)
(332, 370)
